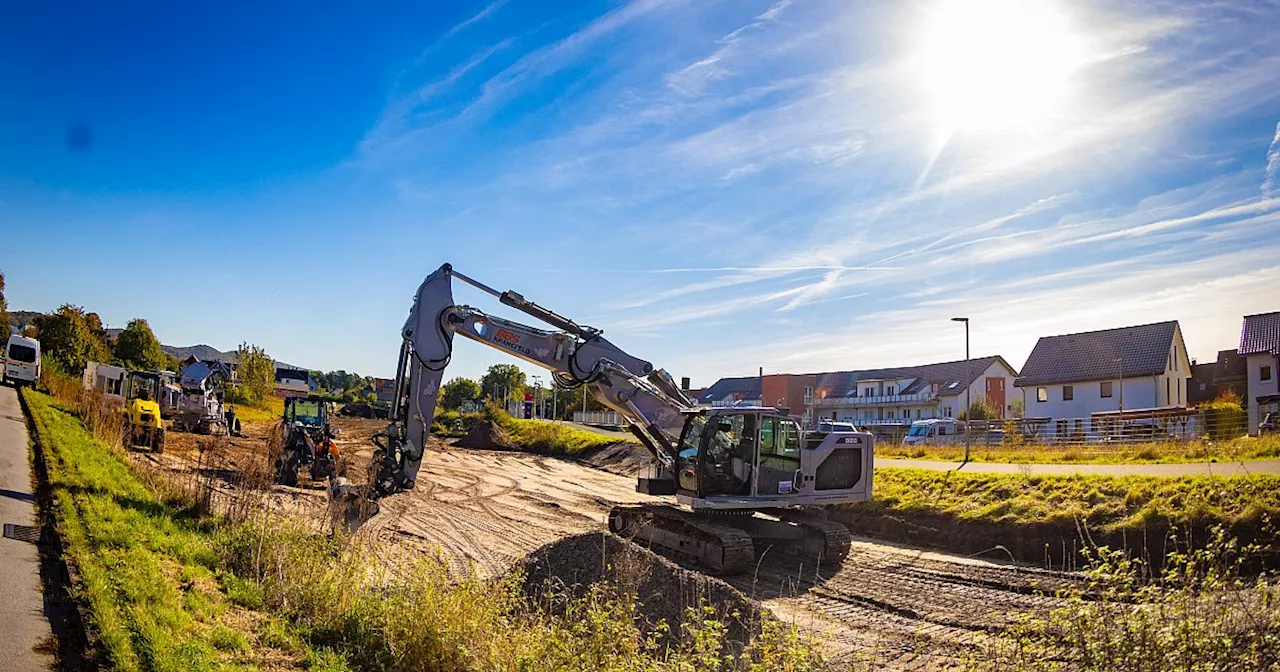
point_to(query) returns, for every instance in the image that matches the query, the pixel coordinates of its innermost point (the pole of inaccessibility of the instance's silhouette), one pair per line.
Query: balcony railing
(723, 403)
(891, 399)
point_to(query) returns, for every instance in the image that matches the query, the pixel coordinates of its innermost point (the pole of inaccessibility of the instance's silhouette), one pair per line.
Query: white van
(21, 360)
(934, 431)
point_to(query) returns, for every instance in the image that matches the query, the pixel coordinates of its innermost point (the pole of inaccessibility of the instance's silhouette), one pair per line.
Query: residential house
(1260, 346)
(1069, 378)
(732, 392)
(892, 398)
(1231, 375)
(203, 375)
(896, 397)
(1200, 389)
(291, 382)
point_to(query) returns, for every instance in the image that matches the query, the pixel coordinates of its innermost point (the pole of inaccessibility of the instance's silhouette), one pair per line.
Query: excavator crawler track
(825, 540)
(719, 548)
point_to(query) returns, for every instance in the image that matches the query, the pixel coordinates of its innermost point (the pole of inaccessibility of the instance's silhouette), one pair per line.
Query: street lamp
(968, 390)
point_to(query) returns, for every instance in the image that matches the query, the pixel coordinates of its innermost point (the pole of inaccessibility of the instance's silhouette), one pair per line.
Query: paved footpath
(1180, 469)
(23, 625)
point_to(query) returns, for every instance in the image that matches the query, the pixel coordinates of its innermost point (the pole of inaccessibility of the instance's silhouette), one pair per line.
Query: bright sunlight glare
(997, 65)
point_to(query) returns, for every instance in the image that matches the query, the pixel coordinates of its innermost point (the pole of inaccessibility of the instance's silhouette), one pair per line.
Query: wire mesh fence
(1099, 432)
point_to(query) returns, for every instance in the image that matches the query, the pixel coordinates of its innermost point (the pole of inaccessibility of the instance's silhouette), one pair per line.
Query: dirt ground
(485, 511)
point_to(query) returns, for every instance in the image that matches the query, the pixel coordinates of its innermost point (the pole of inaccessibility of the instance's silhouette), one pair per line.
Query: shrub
(1225, 419)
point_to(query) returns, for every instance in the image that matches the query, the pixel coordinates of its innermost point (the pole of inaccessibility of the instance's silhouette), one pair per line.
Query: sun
(997, 65)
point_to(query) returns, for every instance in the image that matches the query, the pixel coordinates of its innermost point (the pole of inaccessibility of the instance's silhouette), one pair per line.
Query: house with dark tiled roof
(897, 396)
(890, 398)
(1260, 346)
(1070, 378)
(731, 392)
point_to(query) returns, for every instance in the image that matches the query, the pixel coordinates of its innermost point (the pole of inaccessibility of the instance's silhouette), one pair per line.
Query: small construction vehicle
(307, 441)
(744, 479)
(143, 425)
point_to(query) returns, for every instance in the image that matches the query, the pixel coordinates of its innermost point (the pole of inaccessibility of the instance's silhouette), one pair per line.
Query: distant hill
(21, 318)
(202, 351)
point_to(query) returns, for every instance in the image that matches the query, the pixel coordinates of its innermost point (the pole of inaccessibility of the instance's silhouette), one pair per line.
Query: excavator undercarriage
(728, 543)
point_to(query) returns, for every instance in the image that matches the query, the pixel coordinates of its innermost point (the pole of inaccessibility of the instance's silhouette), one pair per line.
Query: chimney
(684, 383)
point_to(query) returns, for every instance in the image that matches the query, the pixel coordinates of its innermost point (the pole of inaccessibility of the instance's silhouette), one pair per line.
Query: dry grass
(1243, 448)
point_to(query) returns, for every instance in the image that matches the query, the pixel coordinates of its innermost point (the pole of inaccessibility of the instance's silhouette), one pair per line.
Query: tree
(67, 340)
(503, 382)
(980, 409)
(257, 373)
(458, 391)
(138, 348)
(4, 314)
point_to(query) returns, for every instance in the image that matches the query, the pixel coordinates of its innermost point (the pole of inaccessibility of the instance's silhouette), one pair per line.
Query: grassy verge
(1243, 448)
(1042, 518)
(536, 436)
(163, 588)
(149, 574)
(271, 410)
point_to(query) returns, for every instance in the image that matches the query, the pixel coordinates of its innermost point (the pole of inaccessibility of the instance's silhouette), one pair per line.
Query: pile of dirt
(664, 591)
(487, 436)
(624, 458)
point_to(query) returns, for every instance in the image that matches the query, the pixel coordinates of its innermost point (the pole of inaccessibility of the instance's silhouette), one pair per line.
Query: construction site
(488, 511)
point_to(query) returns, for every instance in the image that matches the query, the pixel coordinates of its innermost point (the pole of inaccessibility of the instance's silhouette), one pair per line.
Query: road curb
(59, 576)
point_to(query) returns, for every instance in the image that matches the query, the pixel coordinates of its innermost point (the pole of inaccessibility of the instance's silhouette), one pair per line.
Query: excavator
(744, 479)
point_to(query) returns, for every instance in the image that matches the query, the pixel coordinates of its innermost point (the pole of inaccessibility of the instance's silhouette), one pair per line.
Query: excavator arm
(576, 355)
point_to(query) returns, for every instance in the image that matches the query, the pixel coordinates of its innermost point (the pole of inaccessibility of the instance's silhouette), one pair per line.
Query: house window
(888, 391)
(917, 414)
(808, 395)
(1167, 396)
(1106, 390)
(1068, 393)
(1265, 373)
(889, 415)
(1042, 394)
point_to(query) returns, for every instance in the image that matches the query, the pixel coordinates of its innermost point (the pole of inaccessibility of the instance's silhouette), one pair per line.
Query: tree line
(507, 383)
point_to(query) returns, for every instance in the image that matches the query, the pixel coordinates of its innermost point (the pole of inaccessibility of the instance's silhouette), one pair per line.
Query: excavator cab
(728, 457)
(307, 440)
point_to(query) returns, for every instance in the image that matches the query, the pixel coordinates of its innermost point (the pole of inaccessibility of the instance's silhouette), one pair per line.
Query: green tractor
(307, 441)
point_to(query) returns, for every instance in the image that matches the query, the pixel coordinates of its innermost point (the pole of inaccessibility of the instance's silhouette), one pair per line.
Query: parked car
(1269, 424)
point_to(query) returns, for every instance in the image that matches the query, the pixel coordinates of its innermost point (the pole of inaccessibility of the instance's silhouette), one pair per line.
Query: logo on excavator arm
(511, 340)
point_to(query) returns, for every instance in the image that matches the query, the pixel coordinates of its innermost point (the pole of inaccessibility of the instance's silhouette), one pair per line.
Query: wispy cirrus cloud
(715, 167)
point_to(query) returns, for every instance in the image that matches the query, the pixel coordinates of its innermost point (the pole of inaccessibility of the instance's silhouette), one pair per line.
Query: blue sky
(799, 185)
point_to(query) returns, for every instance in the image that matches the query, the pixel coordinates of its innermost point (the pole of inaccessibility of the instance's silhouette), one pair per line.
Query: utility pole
(968, 390)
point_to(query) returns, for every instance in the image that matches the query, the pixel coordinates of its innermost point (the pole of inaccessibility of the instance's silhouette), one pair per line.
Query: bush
(1225, 419)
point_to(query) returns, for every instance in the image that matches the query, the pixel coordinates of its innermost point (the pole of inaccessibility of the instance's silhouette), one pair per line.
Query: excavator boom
(714, 461)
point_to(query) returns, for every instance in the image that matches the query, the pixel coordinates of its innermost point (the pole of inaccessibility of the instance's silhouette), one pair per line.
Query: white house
(900, 395)
(1260, 346)
(1071, 377)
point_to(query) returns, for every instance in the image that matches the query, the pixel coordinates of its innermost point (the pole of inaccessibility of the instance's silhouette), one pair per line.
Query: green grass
(542, 436)
(1025, 514)
(1243, 448)
(271, 410)
(166, 590)
(147, 568)
(537, 436)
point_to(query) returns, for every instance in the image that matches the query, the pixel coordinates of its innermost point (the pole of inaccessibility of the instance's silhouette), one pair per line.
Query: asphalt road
(24, 625)
(1180, 469)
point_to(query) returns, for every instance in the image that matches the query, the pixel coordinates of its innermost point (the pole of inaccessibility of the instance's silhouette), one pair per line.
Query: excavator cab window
(729, 453)
(779, 456)
(690, 440)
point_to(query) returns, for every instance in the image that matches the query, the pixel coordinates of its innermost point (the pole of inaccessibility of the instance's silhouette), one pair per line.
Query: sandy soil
(484, 511)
